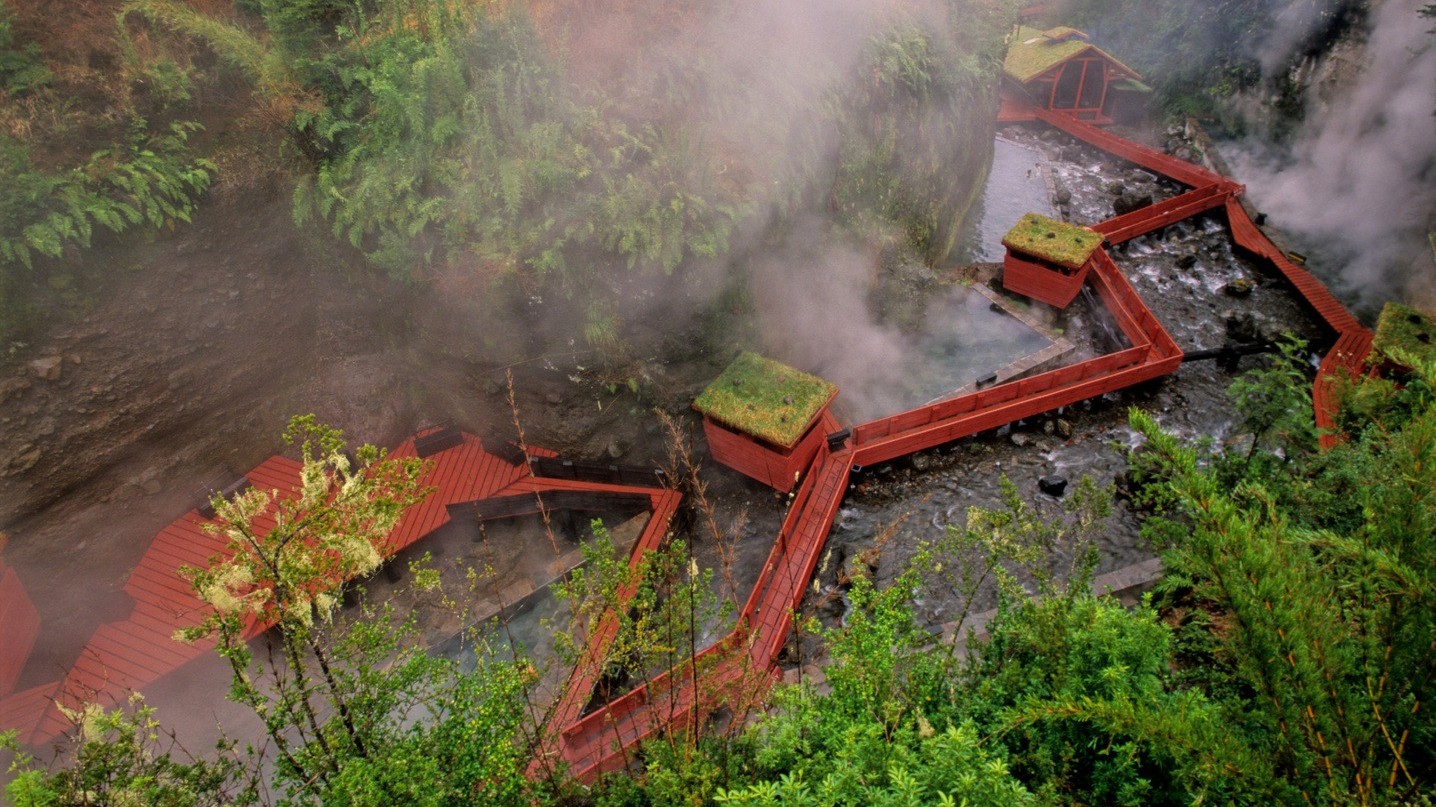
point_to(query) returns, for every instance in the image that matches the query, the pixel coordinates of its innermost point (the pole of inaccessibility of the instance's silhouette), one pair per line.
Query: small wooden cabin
(1048, 260)
(1059, 69)
(760, 418)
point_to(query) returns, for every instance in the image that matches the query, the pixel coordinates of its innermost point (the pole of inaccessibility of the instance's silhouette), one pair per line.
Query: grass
(1066, 244)
(765, 399)
(1404, 328)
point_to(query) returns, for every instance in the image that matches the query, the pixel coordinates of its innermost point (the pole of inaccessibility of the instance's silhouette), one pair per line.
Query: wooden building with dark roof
(1059, 69)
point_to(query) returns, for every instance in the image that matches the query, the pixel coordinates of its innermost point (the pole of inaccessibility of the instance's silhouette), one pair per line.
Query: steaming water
(965, 340)
(1016, 184)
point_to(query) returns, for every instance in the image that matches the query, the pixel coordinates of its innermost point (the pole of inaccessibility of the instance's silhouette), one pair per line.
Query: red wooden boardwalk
(20, 624)
(126, 655)
(601, 741)
(738, 667)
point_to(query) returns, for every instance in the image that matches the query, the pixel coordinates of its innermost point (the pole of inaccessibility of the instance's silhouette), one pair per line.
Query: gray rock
(1053, 485)
(1131, 201)
(1020, 440)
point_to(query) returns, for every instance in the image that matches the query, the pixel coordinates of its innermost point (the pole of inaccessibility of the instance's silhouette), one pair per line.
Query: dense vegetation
(443, 137)
(1283, 659)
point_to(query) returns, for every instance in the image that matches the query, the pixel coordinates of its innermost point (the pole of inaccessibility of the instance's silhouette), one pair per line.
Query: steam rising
(1360, 182)
(753, 78)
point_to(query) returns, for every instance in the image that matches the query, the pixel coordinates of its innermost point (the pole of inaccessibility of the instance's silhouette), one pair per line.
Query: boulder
(1131, 201)
(1052, 485)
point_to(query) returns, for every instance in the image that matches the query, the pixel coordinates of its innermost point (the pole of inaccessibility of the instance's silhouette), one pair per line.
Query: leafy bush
(151, 181)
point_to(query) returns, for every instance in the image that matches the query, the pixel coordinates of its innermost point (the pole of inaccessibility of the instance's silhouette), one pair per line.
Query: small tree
(289, 576)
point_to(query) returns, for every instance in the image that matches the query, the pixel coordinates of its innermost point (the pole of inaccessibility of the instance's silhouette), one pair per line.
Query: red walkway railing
(737, 668)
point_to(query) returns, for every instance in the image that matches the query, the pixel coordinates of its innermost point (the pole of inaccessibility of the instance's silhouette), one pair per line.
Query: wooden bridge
(736, 670)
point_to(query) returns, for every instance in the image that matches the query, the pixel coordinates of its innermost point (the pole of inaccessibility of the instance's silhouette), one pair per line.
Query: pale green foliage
(264, 65)
(120, 759)
(289, 555)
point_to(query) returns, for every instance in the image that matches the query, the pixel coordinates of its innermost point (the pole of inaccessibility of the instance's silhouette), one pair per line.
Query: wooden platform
(127, 655)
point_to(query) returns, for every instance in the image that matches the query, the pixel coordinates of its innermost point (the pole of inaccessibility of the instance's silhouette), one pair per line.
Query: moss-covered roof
(1404, 328)
(765, 398)
(1065, 244)
(1033, 52)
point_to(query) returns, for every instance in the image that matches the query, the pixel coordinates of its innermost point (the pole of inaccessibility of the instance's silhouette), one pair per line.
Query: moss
(1064, 244)
(1033, 52)
(1402, 328)
(765, 398)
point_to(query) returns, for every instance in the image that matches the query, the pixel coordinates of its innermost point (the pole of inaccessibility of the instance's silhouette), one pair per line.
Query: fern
(150, 181)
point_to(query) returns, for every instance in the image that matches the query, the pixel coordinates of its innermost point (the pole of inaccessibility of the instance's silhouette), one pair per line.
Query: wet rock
(1053, 485)
(921, 462)
(614, 450)
(47, 368)
(1021, 440)
(1064, 429)
(1131, 201)
(1243, 327)
(1063, 196)
(830, 605)
(1240, 287)
(1071, 154)
(1115, 187)
(553, 398)
(1187, 261)
(863, 564)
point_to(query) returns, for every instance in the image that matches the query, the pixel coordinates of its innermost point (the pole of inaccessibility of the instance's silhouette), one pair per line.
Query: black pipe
(1230, 351)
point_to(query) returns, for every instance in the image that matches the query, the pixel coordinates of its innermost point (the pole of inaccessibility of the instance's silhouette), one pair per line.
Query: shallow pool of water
(1016, 185)
(964, 340)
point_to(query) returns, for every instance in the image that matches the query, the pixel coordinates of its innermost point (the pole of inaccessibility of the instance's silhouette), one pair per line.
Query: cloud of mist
(755, 76)
(1359, 182)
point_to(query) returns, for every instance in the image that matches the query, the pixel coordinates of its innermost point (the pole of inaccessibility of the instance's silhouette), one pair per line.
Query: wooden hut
(1059, 69)
(1046, 259)
(760, 417)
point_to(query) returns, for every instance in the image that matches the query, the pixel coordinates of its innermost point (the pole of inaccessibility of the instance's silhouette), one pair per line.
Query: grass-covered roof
(1403, 328)
(1033, 52)
(766, 399)
(1068, 245)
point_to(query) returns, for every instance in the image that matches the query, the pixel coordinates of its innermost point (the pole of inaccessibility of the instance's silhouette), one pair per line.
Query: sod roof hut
(1403, 332)
(1046, 259)
(1060, 69)
(760, 417)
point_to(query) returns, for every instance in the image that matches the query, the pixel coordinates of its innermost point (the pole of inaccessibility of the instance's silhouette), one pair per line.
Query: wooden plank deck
(126, 655)
(741, 664)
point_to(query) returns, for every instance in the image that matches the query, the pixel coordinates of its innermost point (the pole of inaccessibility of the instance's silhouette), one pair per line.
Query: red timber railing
(600, 741)
(737, 669)
(128, 654)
